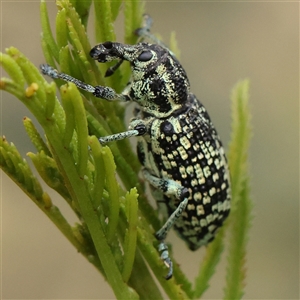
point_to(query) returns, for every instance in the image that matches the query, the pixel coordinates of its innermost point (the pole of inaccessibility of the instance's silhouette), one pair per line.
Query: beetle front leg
(169, 188)
(102, 92)
(144, 33)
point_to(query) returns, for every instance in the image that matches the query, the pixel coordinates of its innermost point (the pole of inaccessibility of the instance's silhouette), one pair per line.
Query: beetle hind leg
(169, 188)
(162, 233)
(163, 249)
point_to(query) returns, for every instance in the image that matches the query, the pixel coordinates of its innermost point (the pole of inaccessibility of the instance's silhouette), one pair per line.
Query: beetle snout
(106, 51)
(99, 53)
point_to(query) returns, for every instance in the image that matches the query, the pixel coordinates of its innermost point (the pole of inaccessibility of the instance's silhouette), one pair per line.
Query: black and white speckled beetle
(178, 146)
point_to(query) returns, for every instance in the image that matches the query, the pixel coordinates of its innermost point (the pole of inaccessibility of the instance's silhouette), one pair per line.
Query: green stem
(78, 191)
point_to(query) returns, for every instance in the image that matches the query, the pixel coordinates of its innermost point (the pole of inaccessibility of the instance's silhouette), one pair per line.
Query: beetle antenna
(111, 70)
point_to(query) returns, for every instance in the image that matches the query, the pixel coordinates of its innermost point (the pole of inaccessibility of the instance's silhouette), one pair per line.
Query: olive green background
(220, 42)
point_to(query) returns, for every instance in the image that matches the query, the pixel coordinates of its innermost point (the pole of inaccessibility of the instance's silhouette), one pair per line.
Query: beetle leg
(169, 188)
(103, 92)
(145, 34)
(138, 130)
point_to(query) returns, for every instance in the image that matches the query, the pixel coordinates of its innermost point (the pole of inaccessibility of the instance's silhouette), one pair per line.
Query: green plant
(115, 224)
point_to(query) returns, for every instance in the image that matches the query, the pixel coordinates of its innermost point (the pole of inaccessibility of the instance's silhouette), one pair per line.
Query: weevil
(178, 146)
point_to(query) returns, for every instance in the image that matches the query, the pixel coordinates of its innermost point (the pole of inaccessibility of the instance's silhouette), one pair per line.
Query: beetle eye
(145, 56)
(107, 45)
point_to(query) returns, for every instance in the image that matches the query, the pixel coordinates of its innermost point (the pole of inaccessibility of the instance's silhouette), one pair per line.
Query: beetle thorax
(160, 85)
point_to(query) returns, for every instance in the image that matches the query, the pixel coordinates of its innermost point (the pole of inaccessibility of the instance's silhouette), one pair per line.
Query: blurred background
(220, 43)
